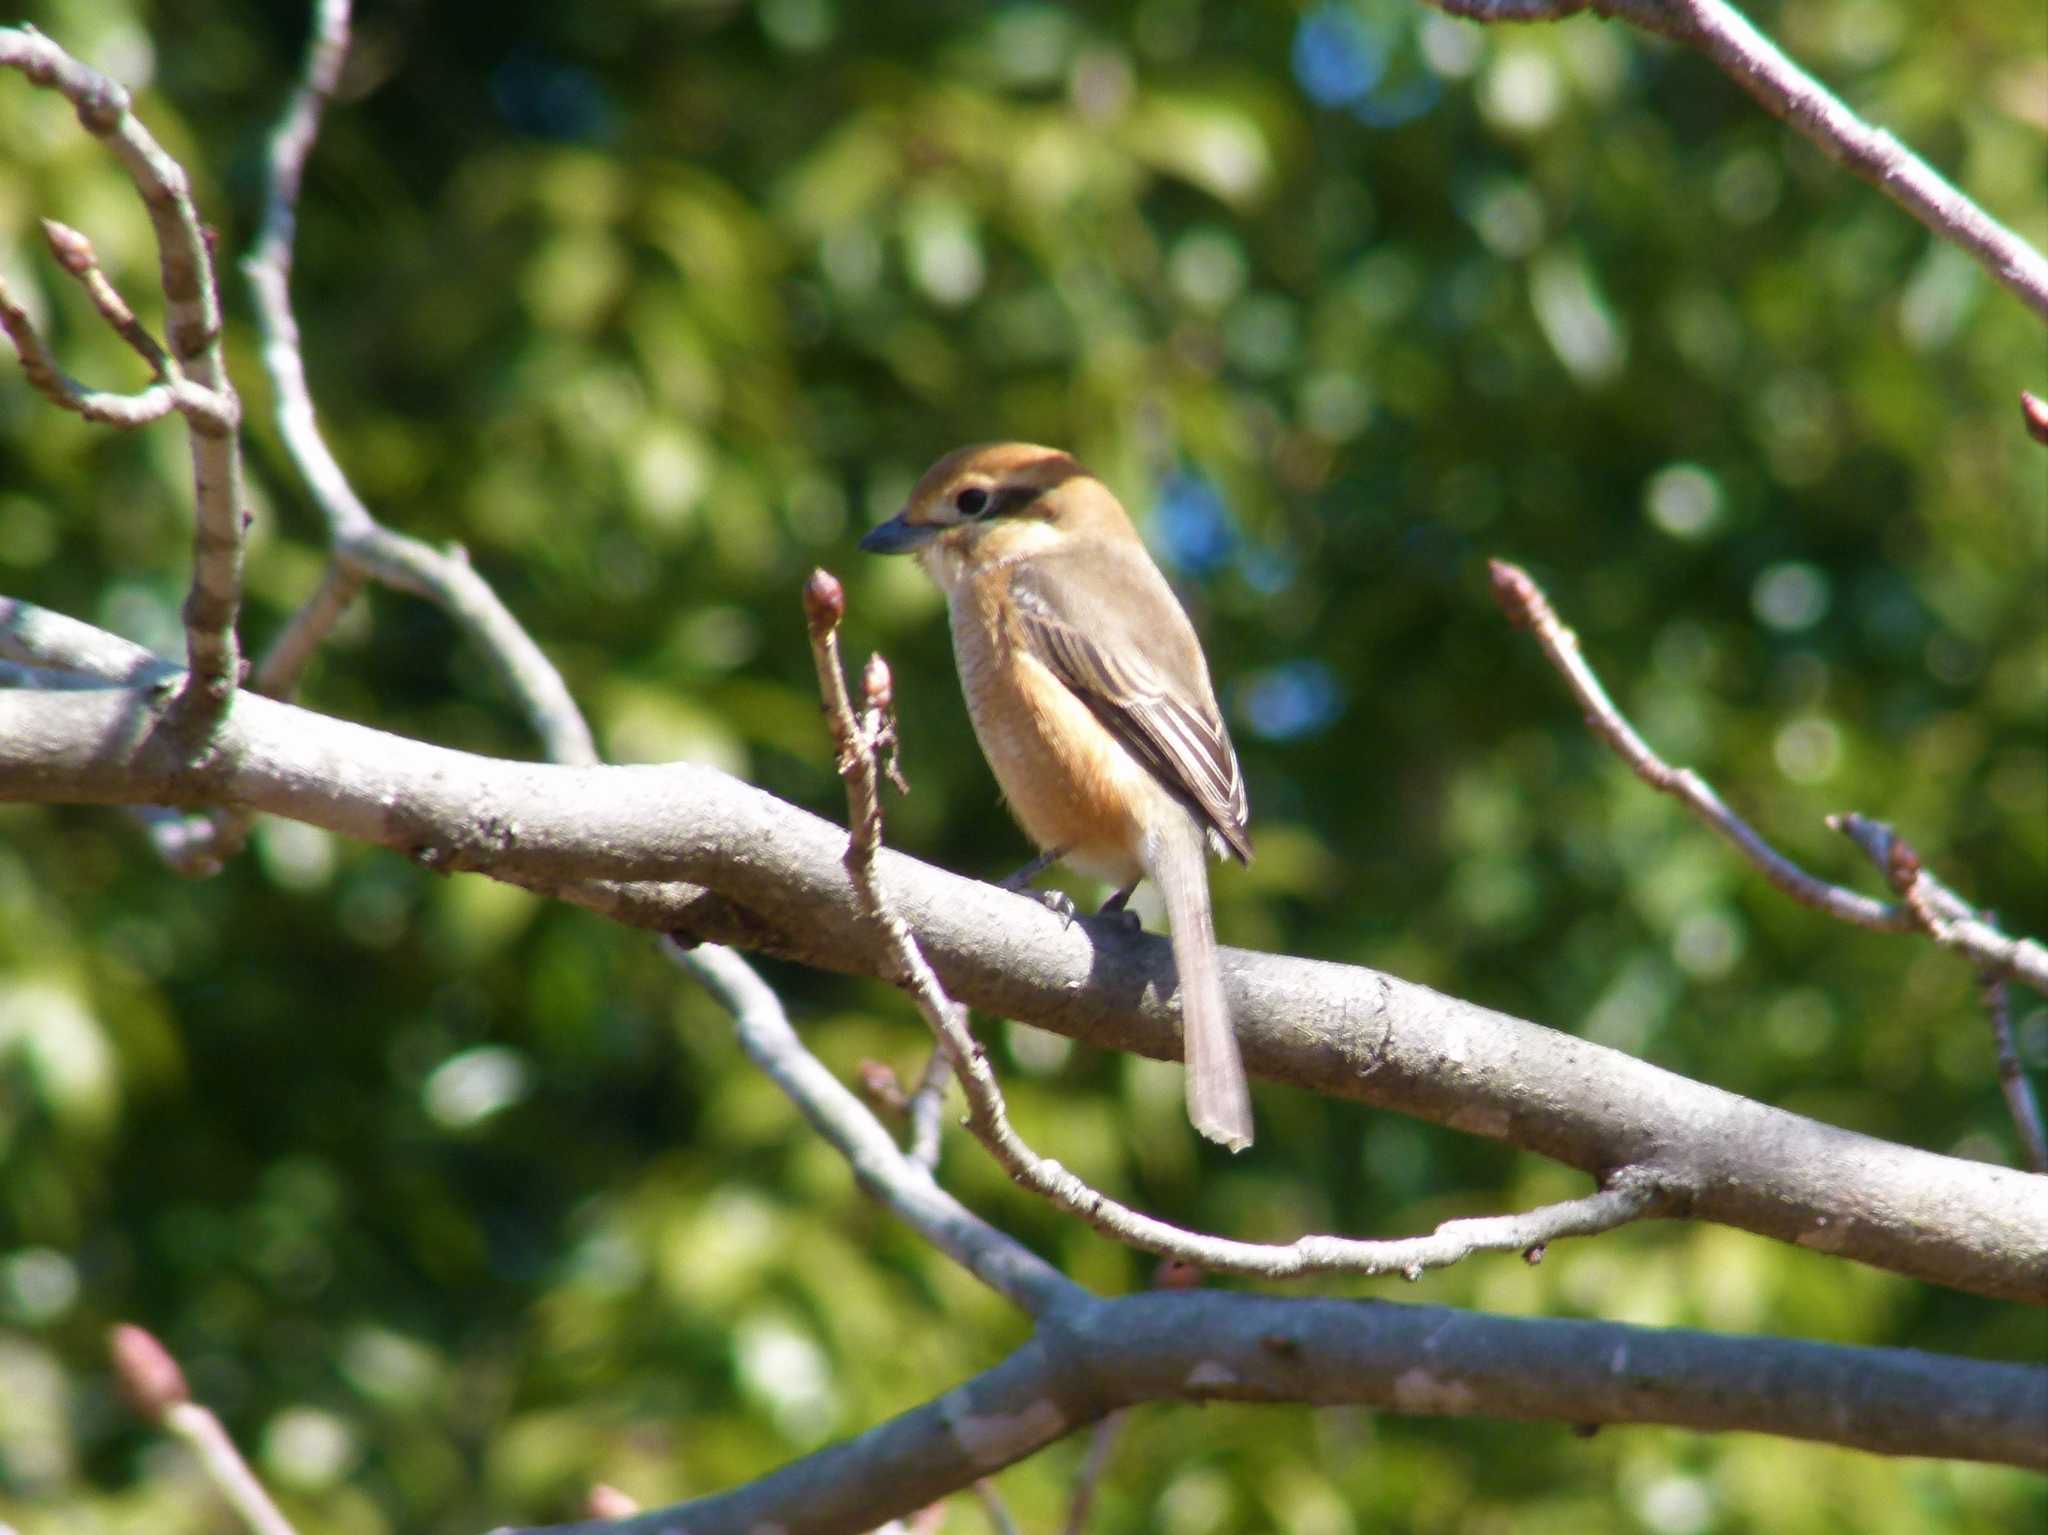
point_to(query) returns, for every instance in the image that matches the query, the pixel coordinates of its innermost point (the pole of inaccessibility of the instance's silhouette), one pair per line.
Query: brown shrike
(1091, 699)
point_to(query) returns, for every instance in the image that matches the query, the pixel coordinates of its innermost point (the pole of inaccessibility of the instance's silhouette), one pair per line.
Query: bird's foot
(1117, 909)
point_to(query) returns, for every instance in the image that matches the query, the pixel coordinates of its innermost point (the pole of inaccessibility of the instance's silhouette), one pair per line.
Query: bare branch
(1955, 925)
(1425, 1360)
(1938, 911)
(889, 1177)
(193, 324)
(154, 1385)
(926, 1106)
(67, 393)
(994, 1509)
(360, 543)
(2012, 1077)
(277, 675)
(38, 637)
(723, 860)
(1788, 93)
(75, 254)
(1101, 1443)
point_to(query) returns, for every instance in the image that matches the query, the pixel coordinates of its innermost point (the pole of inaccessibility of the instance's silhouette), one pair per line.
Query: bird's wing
(1109, 628)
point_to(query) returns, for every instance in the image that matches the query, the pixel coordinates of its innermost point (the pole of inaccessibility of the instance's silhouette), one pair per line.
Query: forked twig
(1924, 905)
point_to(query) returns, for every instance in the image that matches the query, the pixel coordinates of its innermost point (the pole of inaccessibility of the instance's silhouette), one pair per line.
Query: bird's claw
(1059, 903)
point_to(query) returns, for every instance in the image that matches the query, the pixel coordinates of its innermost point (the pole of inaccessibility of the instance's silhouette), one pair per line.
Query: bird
(1091, 699)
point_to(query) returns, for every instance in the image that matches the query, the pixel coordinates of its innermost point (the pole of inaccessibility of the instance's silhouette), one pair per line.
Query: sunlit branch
(1952, 923)
(358, 540)
(193, 328)
(1790, 94)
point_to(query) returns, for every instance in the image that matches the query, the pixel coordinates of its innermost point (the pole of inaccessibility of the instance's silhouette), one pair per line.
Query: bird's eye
(972, 501)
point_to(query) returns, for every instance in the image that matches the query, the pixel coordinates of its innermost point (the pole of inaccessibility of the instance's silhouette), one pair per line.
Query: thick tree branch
(764, 875)
(1192, 1346)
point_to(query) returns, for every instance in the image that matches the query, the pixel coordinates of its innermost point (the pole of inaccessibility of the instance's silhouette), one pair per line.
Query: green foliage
(454, 1202)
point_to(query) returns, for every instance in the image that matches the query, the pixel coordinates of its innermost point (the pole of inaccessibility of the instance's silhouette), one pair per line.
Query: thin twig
(1628, 1194)
(153, 1384)
(1787, 92)
(74, 253)
(1959, 927)
(1101, 1443)
(277, 675)
(925, 1108)
(359, 541)
(1793, 96)
(2012, 1078)
(199, 383)
(99, 406)
(1938, 911)
(891, 1178)
(993, 1508)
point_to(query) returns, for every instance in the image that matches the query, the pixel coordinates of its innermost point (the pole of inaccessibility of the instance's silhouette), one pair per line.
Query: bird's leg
(1056, 901)
(1117, 906)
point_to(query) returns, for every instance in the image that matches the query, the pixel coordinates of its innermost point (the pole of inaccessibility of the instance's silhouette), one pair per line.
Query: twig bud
(2034, 411)
(824, 600)
(877, 685)
(607, 1502)
(1514, 591)
(883, 1088)
(1176, 1274)
(149, 1377)
(1902, 866)
(72, 249)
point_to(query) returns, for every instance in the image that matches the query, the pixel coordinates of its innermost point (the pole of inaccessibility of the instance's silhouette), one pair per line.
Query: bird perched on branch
(1091, 699)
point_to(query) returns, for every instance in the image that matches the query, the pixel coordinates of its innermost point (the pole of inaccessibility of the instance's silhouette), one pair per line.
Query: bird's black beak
(897, 536)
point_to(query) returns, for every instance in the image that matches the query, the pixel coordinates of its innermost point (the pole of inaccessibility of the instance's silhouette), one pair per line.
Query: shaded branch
(1193, 1346)
(2020, 1101)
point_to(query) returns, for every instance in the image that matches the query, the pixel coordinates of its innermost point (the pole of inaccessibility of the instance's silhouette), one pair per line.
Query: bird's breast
(1066, 779)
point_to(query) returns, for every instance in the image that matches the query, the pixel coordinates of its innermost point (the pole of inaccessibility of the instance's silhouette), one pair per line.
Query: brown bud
(824, 600)
(877, 686)
(879, 1082)
(72, 249)
(1903, 864)
(1514, 591)
(1176, 1274)
(607, 1502)
(149, 1377)
(2034, 411)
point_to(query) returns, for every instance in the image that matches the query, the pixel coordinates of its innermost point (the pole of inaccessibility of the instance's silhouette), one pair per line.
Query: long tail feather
(1219, 1102)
